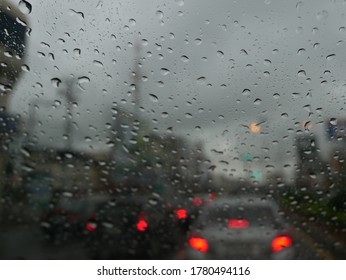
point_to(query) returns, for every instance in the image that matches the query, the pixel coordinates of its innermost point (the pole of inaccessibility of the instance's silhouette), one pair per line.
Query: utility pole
(70, 98)
(136, 76)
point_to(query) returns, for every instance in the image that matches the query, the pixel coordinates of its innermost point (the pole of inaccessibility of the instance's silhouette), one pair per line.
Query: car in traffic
(68, 214)
(129, 227)
(239, 228)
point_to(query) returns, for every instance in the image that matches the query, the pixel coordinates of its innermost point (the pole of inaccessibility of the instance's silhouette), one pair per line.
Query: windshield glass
(171, 106)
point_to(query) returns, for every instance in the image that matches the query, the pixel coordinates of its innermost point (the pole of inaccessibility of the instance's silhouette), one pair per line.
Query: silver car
(239, 228)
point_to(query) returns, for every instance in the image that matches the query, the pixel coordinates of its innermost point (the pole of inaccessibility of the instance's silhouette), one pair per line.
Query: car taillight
(281, 242)
(91, 227)
(142, 224)
(197, 201)
(199, 244)
(238, 223)
(181, 214)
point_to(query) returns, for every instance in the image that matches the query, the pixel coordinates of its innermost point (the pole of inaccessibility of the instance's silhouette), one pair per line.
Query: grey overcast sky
(214, 66)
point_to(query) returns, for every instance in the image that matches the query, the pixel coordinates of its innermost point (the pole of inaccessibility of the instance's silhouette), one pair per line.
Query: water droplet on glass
(243, 52)
(159, 14)
(77, 52)
(330, 57)
(299, 5)
(98, 63)
(55, 82)
(333, 121)
(220, 54)
(164, 71)
(25, 7)
(314, 30)
(132, 22)
(276, 95)
(301, 73)
(83, 80)
(8, 54)
(184, 58)
(76, 13)
(198, 41)
(267, 62)
(266, 73)
(246, 92)
(300, 51)
(257, 101)
(201, 80)
(25, 68)
(21, 22)
(153, 98)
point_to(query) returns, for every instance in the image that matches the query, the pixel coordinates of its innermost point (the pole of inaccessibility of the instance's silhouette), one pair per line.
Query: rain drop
(153, 98)
(159, 14)
(267, 62)
(201, 80)
(246, 92)
(330, 57)
(25, 7)
(301, 73)
(333, 121)
(55, 82)
(184, 58)
(164, 71)
(220, 54)
(98, 63)
(83, 80)
(300, 51)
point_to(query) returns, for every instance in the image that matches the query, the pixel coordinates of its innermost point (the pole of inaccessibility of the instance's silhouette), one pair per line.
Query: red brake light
(281, 242)
(212, 196)
(91, 227)
(238, 223)
(181, 214)
(199, 244)
(142, 225)
(197, 201)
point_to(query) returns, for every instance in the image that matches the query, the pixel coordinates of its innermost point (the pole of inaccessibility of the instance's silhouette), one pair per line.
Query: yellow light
(255, 128)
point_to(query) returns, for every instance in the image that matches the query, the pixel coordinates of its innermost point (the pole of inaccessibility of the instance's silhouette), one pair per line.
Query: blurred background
(124, 124)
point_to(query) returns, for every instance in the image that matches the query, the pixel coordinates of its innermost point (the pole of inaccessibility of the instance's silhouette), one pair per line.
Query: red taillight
(142, 225)
(197, 201)
(212, 196)
(238, 223)
(90, 227)
(281, 242)
(199, 244)
(181, 214)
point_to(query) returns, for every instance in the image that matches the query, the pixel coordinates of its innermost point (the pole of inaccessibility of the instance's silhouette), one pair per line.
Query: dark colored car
(130, 227)
(68, 214)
